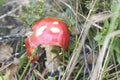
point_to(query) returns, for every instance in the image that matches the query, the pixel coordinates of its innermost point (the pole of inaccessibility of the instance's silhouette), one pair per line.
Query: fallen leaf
(9, 72)
(6, 76)
(12, 68)
(5, 51)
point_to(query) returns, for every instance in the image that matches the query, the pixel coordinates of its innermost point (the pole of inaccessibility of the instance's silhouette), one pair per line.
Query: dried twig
(10, 12)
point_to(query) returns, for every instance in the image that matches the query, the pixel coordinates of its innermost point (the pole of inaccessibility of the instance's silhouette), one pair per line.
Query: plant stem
(52, 63)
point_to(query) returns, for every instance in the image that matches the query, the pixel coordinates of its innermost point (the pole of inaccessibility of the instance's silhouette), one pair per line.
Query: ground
(93, 52)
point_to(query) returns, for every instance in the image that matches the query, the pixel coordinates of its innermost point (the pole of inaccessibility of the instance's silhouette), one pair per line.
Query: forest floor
(93, 52)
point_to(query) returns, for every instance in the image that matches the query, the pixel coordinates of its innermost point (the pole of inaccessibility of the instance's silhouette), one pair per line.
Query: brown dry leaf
(12, 68)
(6, 76)
(9, 72)
(5, 51)
(9, 69)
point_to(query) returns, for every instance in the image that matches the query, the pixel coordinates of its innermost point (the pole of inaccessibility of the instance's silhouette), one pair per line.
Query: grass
(94, 28)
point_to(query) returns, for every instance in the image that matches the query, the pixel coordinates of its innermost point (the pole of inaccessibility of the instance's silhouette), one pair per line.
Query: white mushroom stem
(52, 63)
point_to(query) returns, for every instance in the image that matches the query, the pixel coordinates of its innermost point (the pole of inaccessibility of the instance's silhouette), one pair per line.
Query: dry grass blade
(37, 73)
(77, 51)
(97, 70)
(5, 66)
(93, 52)
(68, 6)
(10, 12)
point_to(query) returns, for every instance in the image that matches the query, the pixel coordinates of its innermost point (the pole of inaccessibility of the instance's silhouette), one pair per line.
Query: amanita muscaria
(48, 32)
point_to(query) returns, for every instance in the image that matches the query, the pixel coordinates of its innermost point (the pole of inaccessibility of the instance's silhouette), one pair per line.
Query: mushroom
(50, 33)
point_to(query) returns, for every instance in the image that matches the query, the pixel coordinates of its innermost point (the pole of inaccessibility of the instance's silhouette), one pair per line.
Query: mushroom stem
(52, 63)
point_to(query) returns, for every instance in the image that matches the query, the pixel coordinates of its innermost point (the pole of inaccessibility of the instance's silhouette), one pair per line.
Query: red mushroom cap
(30, 50)
(49, 31)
